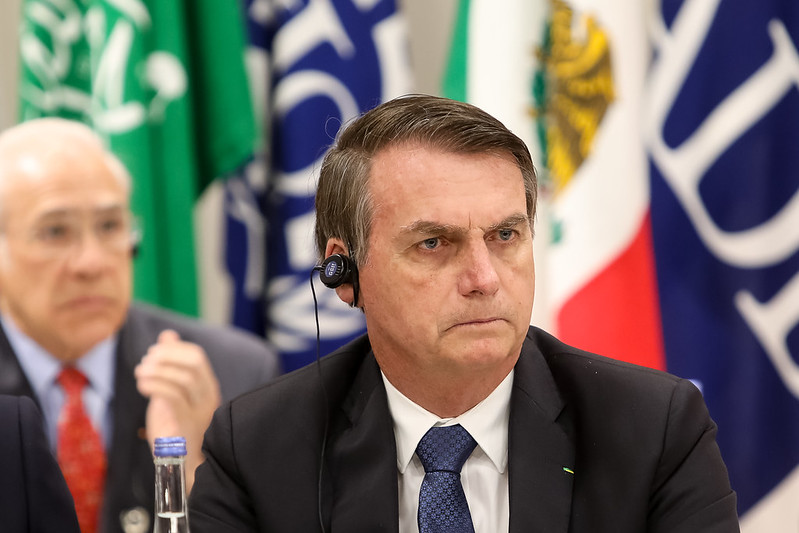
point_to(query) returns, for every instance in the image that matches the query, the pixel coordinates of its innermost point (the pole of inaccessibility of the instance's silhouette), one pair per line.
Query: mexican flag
(569, 81)
(164, 83)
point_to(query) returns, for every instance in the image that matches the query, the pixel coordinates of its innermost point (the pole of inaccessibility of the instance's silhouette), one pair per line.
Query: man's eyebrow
(510, 222)
(110, 208)
(426, 227)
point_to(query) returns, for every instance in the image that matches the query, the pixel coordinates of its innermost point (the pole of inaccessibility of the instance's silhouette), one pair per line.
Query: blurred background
(665, 134)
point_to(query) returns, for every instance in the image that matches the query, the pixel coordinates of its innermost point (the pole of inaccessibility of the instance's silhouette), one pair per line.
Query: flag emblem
(573, 89)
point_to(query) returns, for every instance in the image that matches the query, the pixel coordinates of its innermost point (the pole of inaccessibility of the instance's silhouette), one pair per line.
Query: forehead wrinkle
(100, 209)
(103, 207)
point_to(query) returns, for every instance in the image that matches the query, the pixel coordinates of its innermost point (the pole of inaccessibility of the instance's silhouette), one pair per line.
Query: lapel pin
(136, 520)
(568, 470)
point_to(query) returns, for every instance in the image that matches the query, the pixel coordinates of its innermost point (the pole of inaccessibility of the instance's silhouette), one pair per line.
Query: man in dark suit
(453, 414)
(67, 324)
(33, 494)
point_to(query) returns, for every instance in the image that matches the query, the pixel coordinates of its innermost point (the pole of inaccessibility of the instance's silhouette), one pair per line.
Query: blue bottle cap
(170, 446)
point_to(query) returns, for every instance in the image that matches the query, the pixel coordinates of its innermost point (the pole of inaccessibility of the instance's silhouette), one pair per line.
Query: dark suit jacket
(34, 497)
(640, 443)
(241, 362)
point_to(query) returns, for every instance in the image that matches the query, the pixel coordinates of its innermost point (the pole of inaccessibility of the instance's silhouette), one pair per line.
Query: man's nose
(478, 275)
(89, 255)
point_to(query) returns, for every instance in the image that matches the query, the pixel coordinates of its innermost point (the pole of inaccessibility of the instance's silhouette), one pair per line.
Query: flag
(321, 63)
(669, 211)
(571, 85)
(722, 119)
(163, 82)
(589, 89)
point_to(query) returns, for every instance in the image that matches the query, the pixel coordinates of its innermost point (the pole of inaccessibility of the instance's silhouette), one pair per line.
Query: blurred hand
(184, 393)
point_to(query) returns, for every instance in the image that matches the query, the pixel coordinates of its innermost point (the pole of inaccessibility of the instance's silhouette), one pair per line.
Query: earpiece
(337, 270)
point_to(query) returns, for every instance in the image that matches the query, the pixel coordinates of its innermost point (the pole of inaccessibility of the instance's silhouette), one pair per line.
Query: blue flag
(325, 62)
(722, 125)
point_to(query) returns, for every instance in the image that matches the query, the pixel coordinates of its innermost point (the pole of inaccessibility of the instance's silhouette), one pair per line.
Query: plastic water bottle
(171, 511)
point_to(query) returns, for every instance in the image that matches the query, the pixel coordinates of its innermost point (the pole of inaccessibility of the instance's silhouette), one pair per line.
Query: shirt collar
(486, 422)
(42, 368)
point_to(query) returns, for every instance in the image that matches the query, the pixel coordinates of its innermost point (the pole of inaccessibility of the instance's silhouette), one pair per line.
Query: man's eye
(431, 243)
(505, 234)
(54, 233)
(110, 226)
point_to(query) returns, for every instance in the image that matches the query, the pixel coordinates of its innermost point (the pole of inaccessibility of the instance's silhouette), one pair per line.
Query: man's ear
(345, 292)
(336, 246)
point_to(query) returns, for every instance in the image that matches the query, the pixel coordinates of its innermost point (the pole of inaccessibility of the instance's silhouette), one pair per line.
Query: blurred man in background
(108, 375)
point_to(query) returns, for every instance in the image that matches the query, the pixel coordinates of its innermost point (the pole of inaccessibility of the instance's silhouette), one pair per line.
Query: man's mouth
(477, 322)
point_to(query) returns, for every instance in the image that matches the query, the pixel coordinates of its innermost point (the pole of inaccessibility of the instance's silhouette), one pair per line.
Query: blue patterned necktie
(442, 504)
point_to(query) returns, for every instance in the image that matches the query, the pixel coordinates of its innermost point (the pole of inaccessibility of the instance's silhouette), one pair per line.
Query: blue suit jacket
(34, 497)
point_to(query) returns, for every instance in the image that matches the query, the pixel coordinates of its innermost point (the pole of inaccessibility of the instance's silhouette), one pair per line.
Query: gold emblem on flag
(573, 90)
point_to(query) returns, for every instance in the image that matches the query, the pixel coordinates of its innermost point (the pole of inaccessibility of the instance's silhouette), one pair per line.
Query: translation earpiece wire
(324, 397)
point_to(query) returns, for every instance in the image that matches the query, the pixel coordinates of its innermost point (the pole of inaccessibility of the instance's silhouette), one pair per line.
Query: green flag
(164, 82)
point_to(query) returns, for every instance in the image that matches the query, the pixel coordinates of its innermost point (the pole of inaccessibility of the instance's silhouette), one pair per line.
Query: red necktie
(80, 452)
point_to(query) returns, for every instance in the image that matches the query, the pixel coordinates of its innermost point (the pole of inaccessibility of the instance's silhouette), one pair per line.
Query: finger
(180, 354)
(198, 388)
(194, 376)
(183, 383)
(168, 336)
(166, 394)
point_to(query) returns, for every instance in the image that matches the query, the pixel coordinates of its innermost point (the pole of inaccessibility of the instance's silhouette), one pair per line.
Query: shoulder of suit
(565, 359)
(337, 370)
(190, 328)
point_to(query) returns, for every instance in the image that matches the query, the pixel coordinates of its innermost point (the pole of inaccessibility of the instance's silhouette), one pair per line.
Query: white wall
(430, 29)
(9, 24)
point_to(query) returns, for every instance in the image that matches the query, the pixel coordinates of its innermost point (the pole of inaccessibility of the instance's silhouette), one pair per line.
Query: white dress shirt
(485, 474)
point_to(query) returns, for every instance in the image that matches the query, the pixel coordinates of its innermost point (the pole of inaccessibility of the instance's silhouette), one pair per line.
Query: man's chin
(79, 338)
(485, 337)
(485, 351)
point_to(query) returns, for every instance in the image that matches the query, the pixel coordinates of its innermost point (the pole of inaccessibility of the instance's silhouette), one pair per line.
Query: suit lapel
(128, 483)
(540, 449)
(363, 459)
(12, 377)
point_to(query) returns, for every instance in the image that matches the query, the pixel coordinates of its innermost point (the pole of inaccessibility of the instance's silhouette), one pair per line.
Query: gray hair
(344, 207)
